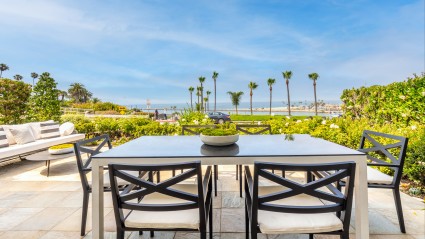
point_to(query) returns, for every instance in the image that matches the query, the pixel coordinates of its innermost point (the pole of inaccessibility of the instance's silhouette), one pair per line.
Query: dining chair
(387, 151)
(250, 129)
(163, 206)
(293, 207)
(196, 130)
(91, 147)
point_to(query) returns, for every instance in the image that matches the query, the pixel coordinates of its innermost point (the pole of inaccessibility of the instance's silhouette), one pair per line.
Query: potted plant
(219, 136)
(61, 149)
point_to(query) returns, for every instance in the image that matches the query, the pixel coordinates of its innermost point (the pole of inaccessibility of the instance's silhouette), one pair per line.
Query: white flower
(195, 122)
(288, 117)
(423, 93)
(176, 134)
(334, 126)
(402, 97)
(183, 120)
(298, 121)
(259, 122)
(206, 117)
(413, 127)
(286, 124)
(306, 119)
(323, 121)
(280, 130)
(204, 120)
(177, 123)
(403, 115)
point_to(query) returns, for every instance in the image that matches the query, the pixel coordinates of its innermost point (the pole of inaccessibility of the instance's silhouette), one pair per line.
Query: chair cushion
(280, 223)
(377, 177)
(166, 219)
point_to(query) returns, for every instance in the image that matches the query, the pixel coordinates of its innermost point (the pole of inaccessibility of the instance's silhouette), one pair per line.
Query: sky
(130, 51)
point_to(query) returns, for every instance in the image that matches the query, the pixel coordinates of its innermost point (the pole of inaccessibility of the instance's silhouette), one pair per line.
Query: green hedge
(343, 131)
(399, 102)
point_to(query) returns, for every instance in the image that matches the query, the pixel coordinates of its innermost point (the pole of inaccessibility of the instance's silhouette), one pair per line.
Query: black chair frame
(194, 130)
(139, 188)
(396, 163)
(245, 128)
(85, 167)
(340, 202)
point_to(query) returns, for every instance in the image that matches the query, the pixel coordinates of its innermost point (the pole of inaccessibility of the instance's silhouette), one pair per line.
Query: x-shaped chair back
(195, 129)
(86, 146)
(336, 201)
(131, 196)
(254, 129)
(385, 150)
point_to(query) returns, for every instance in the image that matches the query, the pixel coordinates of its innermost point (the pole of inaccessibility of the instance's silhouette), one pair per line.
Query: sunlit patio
(36, 206)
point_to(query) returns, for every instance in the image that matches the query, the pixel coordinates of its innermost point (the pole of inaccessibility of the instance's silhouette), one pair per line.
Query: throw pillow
(22, 134)
(36, 128)
(66, 128)
(3, 139)
(9, 135)
(49, 130)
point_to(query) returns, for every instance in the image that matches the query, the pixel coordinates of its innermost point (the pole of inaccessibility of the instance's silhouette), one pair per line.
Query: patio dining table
(297, 148)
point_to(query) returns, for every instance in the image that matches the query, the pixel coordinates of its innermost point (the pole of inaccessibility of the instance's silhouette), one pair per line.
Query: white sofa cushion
(166, 219)
(282, 223)
(15, 150)
(49, 130)
(66, 128)
(3, 139)
(22, 134)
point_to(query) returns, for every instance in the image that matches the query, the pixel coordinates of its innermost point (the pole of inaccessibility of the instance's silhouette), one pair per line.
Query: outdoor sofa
(25, 139)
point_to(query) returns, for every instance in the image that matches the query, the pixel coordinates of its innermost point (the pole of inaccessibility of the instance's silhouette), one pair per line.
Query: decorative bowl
(219, 140)
(61, 149)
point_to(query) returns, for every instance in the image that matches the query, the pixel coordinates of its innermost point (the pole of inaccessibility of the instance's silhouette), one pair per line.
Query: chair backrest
(195, 129)
(131, 196)
(86, 147)
(253, 129)
(385, 150)
(321, 188)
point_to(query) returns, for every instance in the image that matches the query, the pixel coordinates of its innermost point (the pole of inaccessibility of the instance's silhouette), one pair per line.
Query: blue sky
(130, 51)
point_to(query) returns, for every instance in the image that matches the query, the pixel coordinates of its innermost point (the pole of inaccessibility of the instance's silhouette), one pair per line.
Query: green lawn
(263, 117)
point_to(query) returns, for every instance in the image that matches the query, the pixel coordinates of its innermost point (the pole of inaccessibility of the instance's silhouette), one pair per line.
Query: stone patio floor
(35, 206)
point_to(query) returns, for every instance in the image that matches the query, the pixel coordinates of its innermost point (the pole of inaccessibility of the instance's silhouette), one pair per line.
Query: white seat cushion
(166, 219)
(377, 177)
(282, 223)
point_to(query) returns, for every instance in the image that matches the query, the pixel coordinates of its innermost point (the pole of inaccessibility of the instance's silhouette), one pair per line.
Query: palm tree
(198, 93)
(205, 102)
(270, 83)
(314, 76)
(236, 98)
(214, 76)
(208, 99)
(3, 67)
(33, 76)
(18, 77)
(77, 91)
(287, 75)
(191, 89)
(252, 86)
(62, 94)
(202, 80)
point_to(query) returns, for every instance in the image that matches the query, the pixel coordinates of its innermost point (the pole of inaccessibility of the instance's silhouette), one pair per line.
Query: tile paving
(33, 206)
